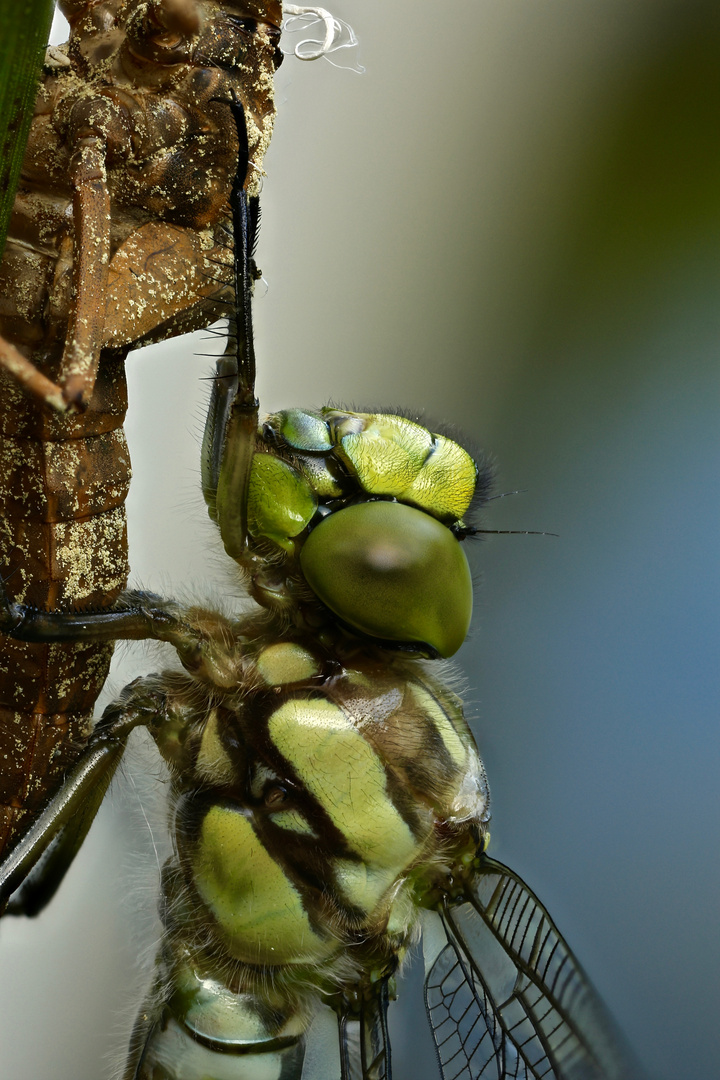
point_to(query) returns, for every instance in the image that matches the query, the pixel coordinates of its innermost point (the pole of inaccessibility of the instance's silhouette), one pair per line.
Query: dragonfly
(328, 798)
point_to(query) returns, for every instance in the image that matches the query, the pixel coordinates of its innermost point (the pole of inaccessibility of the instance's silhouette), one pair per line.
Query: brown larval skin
(148, 82)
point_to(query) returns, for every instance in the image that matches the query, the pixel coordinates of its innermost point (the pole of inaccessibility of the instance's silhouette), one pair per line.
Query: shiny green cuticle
(280, 500)
(303, 430)
(394, 456)
(393, 572)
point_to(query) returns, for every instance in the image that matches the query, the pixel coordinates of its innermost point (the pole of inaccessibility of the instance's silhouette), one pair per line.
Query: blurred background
(512, 221)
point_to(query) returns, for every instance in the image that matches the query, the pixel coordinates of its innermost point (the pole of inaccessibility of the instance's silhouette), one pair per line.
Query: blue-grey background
(512, 220)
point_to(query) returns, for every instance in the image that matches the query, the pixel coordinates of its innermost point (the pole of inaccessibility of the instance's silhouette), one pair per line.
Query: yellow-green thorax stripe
(257, 909)
(345, 775)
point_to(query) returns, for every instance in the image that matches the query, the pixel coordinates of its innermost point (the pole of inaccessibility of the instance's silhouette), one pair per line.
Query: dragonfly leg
(136, 617)
(203, 642)
(91, 254)
(231, 429)
(363, 1032)
(58, 833)
(32, 380)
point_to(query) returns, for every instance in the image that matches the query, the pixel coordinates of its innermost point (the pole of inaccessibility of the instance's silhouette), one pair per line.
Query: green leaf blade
(24, 31)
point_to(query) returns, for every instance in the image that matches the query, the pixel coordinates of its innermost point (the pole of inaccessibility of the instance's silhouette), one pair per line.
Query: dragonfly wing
(505, 996)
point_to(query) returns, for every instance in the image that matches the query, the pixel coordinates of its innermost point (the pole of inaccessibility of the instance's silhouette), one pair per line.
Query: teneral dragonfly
(328, 799)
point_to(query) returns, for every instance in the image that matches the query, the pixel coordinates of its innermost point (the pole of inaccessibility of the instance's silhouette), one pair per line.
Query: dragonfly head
(361, 508)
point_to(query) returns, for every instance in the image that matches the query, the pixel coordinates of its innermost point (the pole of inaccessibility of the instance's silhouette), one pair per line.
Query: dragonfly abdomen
(63, 483)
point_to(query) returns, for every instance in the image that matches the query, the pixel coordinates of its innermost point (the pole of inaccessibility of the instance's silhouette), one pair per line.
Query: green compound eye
(392, 572)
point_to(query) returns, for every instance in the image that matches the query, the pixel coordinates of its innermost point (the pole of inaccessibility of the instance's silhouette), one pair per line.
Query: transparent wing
(505, 996)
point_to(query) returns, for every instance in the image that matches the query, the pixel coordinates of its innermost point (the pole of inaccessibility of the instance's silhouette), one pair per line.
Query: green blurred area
(642, 186)
(24, 31)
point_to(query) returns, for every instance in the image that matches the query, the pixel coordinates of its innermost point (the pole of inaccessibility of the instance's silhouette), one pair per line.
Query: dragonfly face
(362, 507)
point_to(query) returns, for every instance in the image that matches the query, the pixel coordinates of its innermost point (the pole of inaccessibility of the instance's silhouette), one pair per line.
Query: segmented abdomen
(158, 104)
(63, 482)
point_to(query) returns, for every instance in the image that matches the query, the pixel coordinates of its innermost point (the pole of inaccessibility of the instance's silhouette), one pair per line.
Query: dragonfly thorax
(323, 785)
